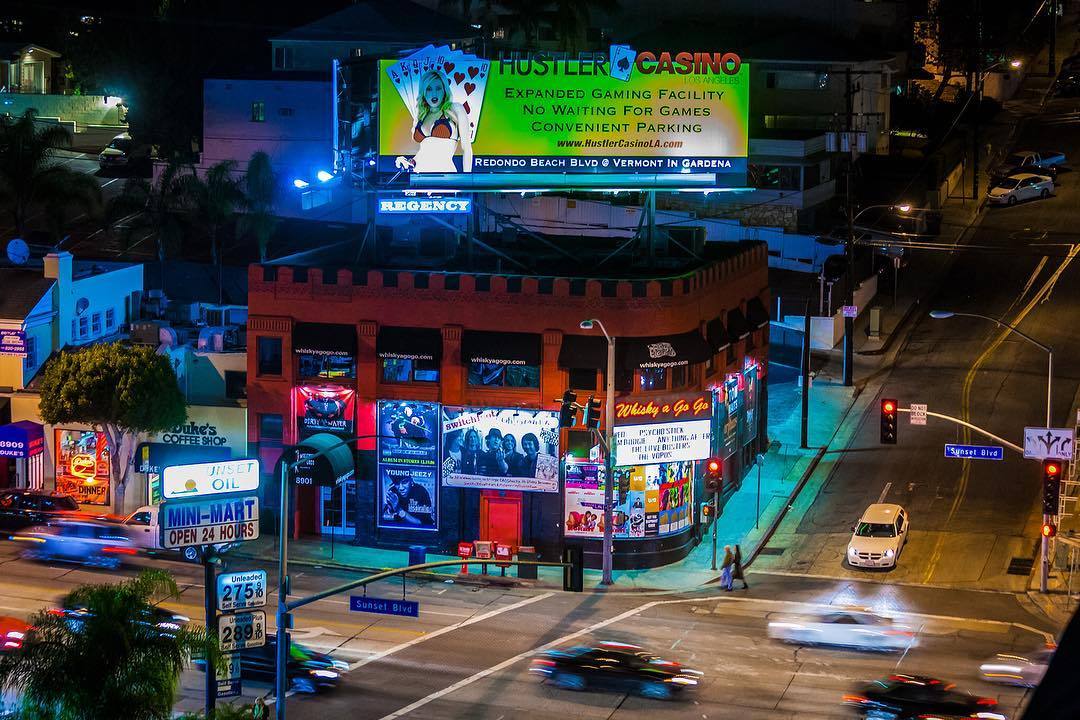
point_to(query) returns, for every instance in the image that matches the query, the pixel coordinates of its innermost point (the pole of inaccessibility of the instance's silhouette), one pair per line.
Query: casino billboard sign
(624, 112)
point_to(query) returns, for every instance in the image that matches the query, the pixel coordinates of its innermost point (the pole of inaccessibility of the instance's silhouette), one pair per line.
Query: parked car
(1022, 669)
(1043, 163)
(615, 666)
(123, 152)
(308, 671)
(878, 537)
(21, 509)
(1022, 186)
(844, 628)
(906, 697)
(79, 541)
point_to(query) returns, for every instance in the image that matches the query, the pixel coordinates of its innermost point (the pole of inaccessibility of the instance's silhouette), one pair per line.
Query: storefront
(82, 464)
(22, 455)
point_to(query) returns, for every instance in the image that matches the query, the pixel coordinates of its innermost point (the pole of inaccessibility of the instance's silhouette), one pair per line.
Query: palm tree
(143, 210)
(212, 200)
(30, 175)
(110, 664)
(260, 195)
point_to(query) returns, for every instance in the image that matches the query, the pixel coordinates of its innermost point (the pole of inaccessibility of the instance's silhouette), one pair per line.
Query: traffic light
(568, 411)
(1051, 486)
(591, 417)
(888, 421)
(714, 474)
(1049, 530)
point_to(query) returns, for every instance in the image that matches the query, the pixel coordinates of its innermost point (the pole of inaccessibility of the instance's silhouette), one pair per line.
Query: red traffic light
(1048, 530)
(1051, 468)
(713, 465)
(888, 406)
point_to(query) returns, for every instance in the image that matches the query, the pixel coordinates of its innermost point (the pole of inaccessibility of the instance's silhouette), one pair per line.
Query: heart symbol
(466, 106)
(472, 71)
(469, 87)
(458, 77)
(448, 67)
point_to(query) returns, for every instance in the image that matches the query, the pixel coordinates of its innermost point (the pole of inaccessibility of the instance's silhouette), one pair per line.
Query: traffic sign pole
(210, 601)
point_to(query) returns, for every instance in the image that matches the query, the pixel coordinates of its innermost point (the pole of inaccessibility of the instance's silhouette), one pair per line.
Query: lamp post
(609, 434)
(1044, 573)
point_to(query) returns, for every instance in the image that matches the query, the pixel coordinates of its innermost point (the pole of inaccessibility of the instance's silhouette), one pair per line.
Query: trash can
(417, 554)
(526, 572)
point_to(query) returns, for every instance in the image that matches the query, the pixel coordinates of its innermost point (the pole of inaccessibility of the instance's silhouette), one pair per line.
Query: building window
(84, 327)
(583, 378)
(95, 324)
(653, 378)
(797, 80)
(269, 357)
(235, 384)
(624, 379)
(271, 426)
(400, 370)
(258, 111)
(283, 58)
(110, 319)
(30, 361)
(679, 376)
(327, 366)
(498, 375)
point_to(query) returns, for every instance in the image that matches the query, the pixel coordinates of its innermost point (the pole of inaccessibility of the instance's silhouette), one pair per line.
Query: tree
(30, 175)
(260, 196)
(142, 210)
(226, 711)
(119, 390)
(110, 664)
(212, 200)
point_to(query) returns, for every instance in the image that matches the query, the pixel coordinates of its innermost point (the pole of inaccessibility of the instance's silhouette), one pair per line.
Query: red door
(500, 517)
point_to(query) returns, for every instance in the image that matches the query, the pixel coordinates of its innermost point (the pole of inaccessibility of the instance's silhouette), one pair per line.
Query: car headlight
(852, 551)
(889, 553)
(324, 673)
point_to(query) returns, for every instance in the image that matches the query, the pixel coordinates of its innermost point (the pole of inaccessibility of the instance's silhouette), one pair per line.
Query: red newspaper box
(483, 552)
(503, 555)
(464, 551)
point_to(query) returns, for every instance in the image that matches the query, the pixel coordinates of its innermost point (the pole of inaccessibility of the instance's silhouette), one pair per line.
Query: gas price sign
(241, 590)
(242, 630)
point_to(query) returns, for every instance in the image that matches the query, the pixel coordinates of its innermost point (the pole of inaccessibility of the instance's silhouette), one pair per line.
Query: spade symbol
(623, 64)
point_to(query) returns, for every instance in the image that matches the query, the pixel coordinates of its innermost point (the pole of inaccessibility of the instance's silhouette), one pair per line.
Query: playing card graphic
(621, 62)
(468, 80)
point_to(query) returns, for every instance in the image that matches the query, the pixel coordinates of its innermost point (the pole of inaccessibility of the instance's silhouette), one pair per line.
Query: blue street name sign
(404, 608)
(975, 452)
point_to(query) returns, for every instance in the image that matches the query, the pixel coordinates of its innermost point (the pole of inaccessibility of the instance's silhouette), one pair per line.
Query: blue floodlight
(324, 176)
(299, 184)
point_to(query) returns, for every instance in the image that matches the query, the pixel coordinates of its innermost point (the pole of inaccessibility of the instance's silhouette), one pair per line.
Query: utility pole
(210, 606)
(977, 88)
(805, 369)
(1053, 36)
(849, 322)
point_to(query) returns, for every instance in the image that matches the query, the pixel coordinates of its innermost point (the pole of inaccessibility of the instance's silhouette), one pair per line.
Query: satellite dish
(81, 305)
(18, 252)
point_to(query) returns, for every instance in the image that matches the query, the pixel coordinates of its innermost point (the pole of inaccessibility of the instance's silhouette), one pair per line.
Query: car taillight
(545, 663)
(118, 550)
(855, 699)
(991, 702)
(55, 611)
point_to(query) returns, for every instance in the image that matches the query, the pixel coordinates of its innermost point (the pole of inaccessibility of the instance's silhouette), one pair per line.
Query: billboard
(82, 465)
(500, 449)
(441, 111)
(408, 464)
(649, 500)
(325, 408)
(665, 429)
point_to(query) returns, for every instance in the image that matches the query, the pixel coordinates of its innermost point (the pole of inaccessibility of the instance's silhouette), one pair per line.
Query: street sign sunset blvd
(975, 452)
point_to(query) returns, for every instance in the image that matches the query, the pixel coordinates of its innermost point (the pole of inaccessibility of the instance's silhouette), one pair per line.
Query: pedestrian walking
(258, 710)
(726, 569)
(736, 568)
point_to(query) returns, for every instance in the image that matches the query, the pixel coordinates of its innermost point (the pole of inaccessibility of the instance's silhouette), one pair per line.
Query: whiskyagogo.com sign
(441, 111)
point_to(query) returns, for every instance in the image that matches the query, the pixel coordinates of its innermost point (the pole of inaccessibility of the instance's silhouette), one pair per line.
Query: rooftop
(382, 20)
(23, 288)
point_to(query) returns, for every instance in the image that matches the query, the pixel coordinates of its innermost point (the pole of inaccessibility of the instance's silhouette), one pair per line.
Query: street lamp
(609, 434)
(945, 314)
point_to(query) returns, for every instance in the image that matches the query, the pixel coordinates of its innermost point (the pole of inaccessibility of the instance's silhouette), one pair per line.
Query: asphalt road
(970, 519)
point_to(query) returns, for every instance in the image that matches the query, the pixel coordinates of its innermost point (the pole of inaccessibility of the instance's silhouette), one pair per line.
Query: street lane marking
(480, 675)
(449, 628)
(884, 492)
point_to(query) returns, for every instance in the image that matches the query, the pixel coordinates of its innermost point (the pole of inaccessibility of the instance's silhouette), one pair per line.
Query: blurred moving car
(23, 508)
(1024, 670)
(84, 542)
(143, 528)
(308, 671)
(1020, 186)
(844, 628)
(164, 619)
(12, 633)
(906, 697)
(615, 666)
(878, 537)
(123, 152)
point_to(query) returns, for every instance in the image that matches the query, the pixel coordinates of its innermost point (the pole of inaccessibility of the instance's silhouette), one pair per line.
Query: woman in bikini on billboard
(441, 125)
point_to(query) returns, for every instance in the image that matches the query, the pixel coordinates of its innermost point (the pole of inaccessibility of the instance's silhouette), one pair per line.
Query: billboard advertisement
(649, 500)
(664, 429)
(82, 465)
(500, 449)
(408, 465)
(441, 111)
(325, 408)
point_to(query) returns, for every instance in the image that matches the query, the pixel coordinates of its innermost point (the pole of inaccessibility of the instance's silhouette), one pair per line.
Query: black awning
(407, 343)
(324, 339)
(583, 352)
(716, 334)
(662, 351)
(736, 325)
(500, 348)
(756, 314)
